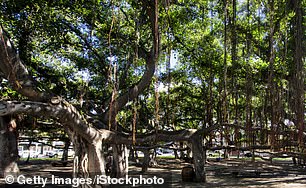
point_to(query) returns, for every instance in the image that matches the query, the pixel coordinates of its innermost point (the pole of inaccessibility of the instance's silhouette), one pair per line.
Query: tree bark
(198, 158)
(146, 160)
(224, 102)
(121, 164)
(66, 148)
(8, 145)
(271, 85)
(299, 72)
(89, 160)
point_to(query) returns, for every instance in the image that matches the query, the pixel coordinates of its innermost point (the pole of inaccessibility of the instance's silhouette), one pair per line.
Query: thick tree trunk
(198, 158)
(146, 160)
(8, 145)
(121, 163)
(89, 160)
(149, 159)
(65, 153)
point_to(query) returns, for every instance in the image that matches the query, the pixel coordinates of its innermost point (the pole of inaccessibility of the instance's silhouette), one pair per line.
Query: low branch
(63, 113)
(68, 116)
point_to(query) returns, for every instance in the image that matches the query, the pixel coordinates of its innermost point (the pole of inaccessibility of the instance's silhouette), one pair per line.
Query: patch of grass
(215, 155)
(165, 157)
(250, 159)
(282, 159)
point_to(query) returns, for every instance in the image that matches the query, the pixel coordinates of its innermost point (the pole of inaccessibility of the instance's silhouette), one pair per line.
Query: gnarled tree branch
(151, 60)
(68, 116)
(15, 72)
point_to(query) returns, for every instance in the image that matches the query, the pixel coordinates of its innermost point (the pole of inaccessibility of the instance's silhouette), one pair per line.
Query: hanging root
(75, 166)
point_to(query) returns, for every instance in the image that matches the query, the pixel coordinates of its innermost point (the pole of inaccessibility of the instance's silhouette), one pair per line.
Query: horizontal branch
(68, 116)
(65, 114)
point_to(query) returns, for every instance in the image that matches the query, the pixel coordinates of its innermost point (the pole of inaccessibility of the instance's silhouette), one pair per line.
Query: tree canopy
(123, 68)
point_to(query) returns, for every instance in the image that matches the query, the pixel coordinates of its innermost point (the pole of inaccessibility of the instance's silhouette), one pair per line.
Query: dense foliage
(236, 61)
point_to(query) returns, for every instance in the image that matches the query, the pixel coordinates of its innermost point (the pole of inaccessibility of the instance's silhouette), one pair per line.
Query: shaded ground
(226, 173)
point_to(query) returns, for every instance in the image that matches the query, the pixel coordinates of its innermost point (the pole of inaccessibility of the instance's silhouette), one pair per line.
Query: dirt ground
(225, 173)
